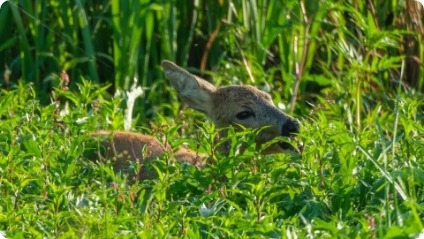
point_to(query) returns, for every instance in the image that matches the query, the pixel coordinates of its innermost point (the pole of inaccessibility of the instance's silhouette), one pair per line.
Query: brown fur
(232, 105)
(124, 147)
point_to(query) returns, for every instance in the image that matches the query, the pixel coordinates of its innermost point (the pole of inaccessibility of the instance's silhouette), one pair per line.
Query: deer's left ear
(193, 90)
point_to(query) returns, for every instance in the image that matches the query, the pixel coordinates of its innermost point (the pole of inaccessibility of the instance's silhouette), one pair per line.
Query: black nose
(291, 127)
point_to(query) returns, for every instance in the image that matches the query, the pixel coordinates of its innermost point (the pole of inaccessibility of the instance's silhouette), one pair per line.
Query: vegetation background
(352, 71)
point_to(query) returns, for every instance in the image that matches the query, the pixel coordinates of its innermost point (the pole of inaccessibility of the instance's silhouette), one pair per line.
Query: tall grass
(294, 41)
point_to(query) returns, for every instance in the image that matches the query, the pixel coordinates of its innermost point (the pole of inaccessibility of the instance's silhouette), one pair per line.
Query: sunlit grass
(345, 183)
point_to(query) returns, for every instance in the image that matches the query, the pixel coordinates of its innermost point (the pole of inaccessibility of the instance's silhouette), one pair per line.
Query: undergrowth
(345, 182)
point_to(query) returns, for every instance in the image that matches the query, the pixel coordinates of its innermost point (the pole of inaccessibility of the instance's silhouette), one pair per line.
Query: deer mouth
(286, 146)
(280, 146)
(290, 130)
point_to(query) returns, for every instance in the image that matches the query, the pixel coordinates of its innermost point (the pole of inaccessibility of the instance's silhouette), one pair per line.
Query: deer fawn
(226, 106)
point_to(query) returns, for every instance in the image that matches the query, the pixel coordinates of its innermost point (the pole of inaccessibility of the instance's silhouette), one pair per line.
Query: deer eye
(244, 115)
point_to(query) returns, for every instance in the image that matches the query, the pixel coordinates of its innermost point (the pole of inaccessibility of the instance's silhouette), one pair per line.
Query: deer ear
(193, 90)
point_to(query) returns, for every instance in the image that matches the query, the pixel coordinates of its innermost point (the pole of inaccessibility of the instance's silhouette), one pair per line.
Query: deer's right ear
(194, 91)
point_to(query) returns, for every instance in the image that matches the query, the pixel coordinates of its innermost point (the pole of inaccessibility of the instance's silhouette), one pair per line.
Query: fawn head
(234, 105)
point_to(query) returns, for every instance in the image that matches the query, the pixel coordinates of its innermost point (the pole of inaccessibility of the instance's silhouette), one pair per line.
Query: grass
(363, 183)
(351, 71)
